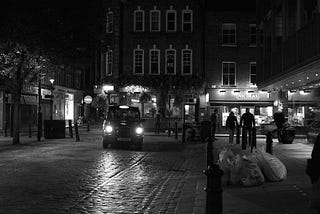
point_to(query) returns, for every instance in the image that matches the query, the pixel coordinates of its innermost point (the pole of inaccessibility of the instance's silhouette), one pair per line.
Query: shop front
(260, 104)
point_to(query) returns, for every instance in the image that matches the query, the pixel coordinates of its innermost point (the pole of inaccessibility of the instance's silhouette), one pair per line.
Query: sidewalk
(288, 196)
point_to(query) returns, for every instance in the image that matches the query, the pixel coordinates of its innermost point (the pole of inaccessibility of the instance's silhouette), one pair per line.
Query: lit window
(109, 22)
(228, 73)
(187, 19)
(228, 34)
(109, 62)
(154, 61)
(252, 35)
(155, 20)
(138, 61)
(170, 61)
(171, 17)
(253, 73)
(186, 61)
(138, 20)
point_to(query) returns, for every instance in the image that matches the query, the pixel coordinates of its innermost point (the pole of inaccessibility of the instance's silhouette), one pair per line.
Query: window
(252, 35)
(154, 61)
(187, 19)
(229, 34)
(109, 22)
(109, 62)
(138, 20)
(170, 61)
(228, 73)
(138, 61)
(171, 17)
(155, 20)
(186, 62)
(253, 73)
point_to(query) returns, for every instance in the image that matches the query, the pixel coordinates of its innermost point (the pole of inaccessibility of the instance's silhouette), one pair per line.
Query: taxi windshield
(123, 115)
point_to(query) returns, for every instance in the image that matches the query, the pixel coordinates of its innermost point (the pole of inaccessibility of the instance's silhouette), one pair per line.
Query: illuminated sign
(248, 96)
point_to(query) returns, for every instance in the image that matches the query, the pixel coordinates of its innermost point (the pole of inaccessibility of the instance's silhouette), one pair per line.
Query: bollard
(5, 128)
(30, 133)
(183, 133)
(244, 138)
(88, 126)
(238, 134)
(77, 132)
(269, 143)
(209, 151)
(254, 139)
(176, 132)
(70, 129)
(214, 189)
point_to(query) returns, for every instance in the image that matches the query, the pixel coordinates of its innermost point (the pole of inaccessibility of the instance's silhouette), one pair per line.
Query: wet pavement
(65, 176)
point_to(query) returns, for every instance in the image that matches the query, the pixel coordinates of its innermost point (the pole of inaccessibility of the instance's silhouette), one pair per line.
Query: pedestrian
(214, 122)
(231, 125)
(247, 123)
(313, 171)
(157, 122)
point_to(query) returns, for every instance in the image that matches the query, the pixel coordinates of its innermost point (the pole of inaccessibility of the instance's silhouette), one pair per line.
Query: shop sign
(248, 96)
(87, 99)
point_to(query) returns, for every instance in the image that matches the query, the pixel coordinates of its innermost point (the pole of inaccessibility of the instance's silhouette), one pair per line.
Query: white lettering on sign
(248, 96)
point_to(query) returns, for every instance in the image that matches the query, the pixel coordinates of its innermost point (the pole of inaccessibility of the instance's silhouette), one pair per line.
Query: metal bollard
(209, 151)
(214, 189)
(77, 132)
(6, 128)
(244, 139)
(88, 126)
(30, 133)
(238, 134)
(70, 129)
(176, 130)
(269, 143)
(183, 133)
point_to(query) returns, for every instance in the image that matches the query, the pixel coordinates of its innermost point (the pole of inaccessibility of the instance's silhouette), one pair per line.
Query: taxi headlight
(108, 129)
(139, 130)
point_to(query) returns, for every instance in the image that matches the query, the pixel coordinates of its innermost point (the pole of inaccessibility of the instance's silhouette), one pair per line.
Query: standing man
(247, 123)
(214, 122)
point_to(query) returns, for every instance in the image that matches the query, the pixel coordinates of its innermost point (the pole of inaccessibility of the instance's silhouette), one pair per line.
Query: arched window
(170, 61)
(155, 18)
(138, 17)
(186, 61)
(138, 61)
(154, 60)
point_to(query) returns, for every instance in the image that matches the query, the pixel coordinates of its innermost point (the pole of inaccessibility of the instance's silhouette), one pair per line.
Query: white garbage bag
(250, 173)
(271, 166)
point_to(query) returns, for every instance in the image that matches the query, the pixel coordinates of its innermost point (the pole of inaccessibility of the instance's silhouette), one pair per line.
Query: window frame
(235, 74)
(185, 11)
(109, 57)
(150, 60)
(135, 61)
(183, 61)
(252, 35)
(175, 20)
(109, 22)
(250, 74)
(175, 61)
(159, 21)
(135, 20)
(225, 43)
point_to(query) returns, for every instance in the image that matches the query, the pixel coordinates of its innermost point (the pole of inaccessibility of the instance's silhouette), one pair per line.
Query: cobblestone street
(64, 176)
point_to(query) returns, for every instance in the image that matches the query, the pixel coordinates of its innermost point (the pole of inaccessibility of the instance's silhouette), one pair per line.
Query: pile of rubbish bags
(251, 169)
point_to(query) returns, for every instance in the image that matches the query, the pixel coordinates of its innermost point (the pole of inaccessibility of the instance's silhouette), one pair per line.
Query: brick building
(153, 48)
(288, 57)
(230, 62)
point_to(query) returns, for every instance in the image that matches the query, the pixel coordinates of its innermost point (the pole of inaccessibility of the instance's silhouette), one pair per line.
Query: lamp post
(51, 97)
(39, 134)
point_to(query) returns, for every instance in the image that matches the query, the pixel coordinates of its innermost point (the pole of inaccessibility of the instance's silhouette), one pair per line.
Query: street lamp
(39, 134)
(51, 97)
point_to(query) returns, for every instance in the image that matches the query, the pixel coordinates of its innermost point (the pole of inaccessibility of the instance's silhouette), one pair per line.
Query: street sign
(87, 99)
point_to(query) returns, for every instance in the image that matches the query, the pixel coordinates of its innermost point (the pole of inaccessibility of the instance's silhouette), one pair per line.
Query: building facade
(153, 48)
(289, 57)
(230, 64)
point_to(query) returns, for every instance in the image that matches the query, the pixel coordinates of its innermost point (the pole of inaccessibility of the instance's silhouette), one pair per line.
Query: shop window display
(296, 116)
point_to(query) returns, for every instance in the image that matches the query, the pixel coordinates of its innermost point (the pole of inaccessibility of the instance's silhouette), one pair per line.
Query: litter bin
(205, 130)
(287, 135)
(54, 129)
